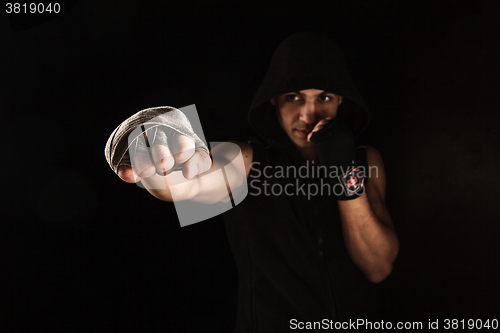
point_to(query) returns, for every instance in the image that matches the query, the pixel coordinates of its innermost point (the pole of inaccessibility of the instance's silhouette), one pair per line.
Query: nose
(308, 112)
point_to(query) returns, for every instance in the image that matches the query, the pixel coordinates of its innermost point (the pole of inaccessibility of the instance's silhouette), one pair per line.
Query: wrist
(352, 183)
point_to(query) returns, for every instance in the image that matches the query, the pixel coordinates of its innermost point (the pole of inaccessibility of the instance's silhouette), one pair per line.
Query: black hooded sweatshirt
(292, 262)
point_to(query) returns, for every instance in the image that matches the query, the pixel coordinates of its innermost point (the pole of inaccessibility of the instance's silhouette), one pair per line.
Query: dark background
(83, 251)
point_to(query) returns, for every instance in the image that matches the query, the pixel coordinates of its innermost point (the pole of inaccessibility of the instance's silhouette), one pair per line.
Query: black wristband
(353, 184)
(335, 148)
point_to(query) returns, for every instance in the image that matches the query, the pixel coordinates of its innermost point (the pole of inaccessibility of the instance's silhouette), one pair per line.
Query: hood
(306, 60)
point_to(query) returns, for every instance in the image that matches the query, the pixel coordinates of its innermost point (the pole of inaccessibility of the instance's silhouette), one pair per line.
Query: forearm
(206, 188)
(370, 239)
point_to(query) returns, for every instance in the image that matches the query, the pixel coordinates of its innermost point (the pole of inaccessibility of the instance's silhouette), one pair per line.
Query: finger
(127, 174)
(140, 157)
(199, 163)
(316, 128)
(182, 148)
(142, 165)
(163, 159)
(322, 123)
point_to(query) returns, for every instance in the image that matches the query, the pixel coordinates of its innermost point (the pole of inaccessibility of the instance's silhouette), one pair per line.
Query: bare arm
(367, 226)
(203, 186)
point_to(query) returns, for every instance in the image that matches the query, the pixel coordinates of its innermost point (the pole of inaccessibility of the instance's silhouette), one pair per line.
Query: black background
(83, 251)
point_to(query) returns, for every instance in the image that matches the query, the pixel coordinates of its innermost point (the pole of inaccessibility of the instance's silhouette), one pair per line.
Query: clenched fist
(160, 151)
(156, 141)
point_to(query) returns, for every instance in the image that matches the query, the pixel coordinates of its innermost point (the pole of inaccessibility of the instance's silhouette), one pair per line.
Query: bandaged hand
(333, 141)
(156, 141)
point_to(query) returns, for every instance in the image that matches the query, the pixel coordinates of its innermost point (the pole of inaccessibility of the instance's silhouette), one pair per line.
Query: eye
(325, 98)
(291, 97)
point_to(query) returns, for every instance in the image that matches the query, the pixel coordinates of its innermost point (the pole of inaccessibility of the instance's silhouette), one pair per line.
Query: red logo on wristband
(353, 181)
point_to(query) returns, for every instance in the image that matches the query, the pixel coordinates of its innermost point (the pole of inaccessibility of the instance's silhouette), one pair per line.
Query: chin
(303, 143)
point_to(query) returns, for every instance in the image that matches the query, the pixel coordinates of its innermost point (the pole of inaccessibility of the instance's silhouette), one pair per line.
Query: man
(302, 257)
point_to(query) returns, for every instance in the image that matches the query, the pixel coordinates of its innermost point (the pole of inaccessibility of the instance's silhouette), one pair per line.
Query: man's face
(299, 112)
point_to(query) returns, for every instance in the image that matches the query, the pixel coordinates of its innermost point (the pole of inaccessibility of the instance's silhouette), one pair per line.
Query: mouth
(303, 133)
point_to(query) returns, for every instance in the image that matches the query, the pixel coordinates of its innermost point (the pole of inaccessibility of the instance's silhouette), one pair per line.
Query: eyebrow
(321, 93)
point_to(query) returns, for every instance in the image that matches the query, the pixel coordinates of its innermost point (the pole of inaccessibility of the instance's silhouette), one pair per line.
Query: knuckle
(140, 163)
(184, 155)
(165, 164)
(205, 163)
(147, 172)
(185, 147)
(161, 152)
(182, 142)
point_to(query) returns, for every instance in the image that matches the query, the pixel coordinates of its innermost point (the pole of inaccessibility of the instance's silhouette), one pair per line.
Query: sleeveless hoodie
(292, 261)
